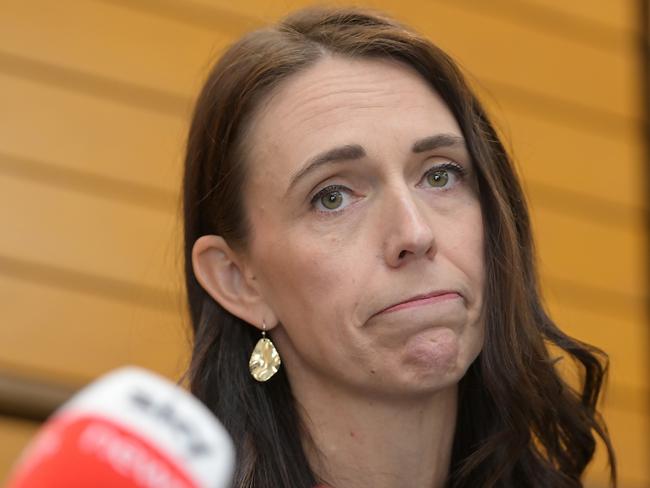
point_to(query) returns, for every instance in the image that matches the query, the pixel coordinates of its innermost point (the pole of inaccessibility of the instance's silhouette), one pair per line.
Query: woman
(347, 200)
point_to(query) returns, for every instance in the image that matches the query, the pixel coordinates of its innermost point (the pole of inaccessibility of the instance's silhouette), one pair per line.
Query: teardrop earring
(265, 360)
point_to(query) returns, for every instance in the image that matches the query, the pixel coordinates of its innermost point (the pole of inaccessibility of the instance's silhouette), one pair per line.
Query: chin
(438, 358)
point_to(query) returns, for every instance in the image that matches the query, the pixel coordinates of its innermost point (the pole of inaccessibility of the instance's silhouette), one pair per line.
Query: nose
(408, 234)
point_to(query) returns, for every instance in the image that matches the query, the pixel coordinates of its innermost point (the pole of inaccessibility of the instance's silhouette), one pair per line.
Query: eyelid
(327, 189)
(448, 164)
(324, 191)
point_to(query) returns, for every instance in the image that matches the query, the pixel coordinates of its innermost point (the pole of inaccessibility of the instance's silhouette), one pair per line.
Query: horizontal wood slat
(173, 56)
(15, 435)
(591, 253)
(553, 19)
(503, 49)
(92, 334)
(58, 334)
(626, 347)
(90, 134)
(620, 14)
(92, 235)
(630, 433)
(91, 331)
(29, 398)
(122, 143)
(95, 97)
(125, 242)
(113, 42)
(571, 158)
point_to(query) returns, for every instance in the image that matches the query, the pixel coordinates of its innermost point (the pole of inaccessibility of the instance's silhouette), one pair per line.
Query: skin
(379, 388)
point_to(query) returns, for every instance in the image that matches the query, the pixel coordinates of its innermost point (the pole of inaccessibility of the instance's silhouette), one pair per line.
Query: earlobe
(222, 274)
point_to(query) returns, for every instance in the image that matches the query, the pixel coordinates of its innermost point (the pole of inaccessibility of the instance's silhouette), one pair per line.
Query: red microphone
(129, 429)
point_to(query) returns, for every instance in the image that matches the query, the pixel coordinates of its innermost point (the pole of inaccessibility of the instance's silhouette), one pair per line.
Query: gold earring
(265, 360)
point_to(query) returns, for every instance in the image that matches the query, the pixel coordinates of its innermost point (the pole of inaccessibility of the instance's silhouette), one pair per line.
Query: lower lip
(423, 301)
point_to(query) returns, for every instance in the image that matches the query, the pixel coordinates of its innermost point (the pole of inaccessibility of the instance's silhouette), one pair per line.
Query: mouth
(420, 300)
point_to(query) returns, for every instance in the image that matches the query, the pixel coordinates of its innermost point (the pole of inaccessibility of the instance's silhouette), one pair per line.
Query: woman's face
(362, 195)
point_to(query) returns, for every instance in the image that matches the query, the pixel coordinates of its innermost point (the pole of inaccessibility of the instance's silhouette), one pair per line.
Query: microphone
(129, 429)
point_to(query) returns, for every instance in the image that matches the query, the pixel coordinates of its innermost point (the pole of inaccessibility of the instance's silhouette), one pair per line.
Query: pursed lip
(425, 298)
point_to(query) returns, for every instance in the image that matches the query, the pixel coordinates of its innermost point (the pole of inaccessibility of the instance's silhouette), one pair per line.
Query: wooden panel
(105, 138)
(630, 432)
(64, 63)
(615, 14)
(134, 244)
(172, 56)
(573, 159)
(505, 50)
(114, 42)
(92, 334)
(618, 14)
(598, 255)
(89, 134)
(551, 18)
(117, 335)
(627, 348)
(624, 401)
(59, 334)
(93, 235)
(15, 435)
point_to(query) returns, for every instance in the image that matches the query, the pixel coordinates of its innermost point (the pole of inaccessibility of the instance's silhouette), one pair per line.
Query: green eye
(438, 178)
(332, 200)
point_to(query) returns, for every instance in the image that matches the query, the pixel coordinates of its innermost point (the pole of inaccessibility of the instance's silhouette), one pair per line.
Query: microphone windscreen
(131, 428)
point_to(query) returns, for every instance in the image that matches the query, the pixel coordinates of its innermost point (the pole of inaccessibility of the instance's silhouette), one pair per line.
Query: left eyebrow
(439, 140)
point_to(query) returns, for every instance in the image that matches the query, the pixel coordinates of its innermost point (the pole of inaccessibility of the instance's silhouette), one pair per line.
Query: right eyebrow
(336, 154)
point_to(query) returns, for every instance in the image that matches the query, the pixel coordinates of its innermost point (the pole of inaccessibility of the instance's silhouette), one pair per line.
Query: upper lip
(419, 297)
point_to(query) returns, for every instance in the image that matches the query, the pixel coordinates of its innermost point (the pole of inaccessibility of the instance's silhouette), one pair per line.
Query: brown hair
(519, 423)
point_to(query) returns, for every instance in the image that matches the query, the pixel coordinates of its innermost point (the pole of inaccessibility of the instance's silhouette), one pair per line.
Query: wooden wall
(95, 98)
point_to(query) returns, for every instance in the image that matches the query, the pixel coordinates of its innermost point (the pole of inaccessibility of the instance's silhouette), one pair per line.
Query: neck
(363, 443)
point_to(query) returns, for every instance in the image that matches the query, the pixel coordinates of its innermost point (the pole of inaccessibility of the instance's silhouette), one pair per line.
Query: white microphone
(129, 429)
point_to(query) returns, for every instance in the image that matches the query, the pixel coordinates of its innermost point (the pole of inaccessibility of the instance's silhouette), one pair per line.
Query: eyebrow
(351, 152)
(439, 140)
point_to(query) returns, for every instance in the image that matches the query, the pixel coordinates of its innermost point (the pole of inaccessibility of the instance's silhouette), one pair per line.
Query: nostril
(402, 254)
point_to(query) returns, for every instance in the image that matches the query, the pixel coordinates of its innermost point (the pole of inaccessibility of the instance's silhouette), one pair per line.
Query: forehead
(372, 102)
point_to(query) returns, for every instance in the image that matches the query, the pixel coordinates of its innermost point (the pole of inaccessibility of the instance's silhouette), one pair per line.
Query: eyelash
(456, 168)
(321, 194)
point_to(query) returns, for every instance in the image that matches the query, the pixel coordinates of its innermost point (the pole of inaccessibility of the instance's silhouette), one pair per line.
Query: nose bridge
(408, 230)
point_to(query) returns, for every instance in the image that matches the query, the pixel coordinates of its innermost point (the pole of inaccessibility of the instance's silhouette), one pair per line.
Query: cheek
(473, 251)
(472, 247)
(463, 247)
(304, 279)
(470, 243)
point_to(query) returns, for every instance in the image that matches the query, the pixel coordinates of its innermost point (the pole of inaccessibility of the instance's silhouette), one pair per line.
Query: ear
(226, 278)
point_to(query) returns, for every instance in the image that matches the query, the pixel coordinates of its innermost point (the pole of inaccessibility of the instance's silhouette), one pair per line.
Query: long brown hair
(519, 423)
